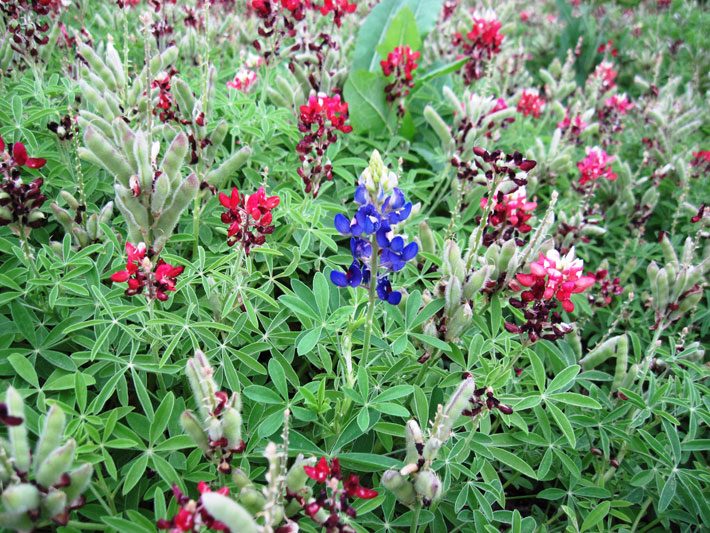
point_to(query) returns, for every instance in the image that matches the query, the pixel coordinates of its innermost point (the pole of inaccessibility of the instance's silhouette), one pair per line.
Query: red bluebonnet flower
(606, 73)
(485, 398)
(335, 496)
(192, 515)
(480, 44)
(700, 163)
(63, 129)
(608, 288)
(553, 276)
(6, 418)
(243, 80)
(249, 217)
(608, 47)
(574, 126)
(320, 119)
(699, 215)
(552, 279)
(17, 157)
(509, 216)
(140, 274)
(339, 8)
(597, 164)
(400, 63)
(531, 103)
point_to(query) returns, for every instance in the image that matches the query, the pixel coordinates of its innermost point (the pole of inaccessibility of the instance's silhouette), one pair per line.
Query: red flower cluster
(701, 163)
(17, 157)
(531, 103)
(484, 397)
(165, 109)
(608, 47)
(339, 8)
(553, 276)
(608, 288)
(19, 201)
(340, 492)
(26, 24)
(249, 217)
(400, 63)
(552, 279)
(597, 164)
(140, 274)
(192, 515)
(320, 120)
(573, 126)
(606, 73)
(509, 217)
(480, 44)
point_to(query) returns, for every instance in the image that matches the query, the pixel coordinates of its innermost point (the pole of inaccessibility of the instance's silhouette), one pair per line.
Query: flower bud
(439, 126)
(192, 427)
(229, 512)
(20, 498)
(296, 477)
(160, 195)
(57, 463)
(227, 169)
(54, 503)
(415, 441)
(428, 487)
(51, 435)
(174, 158)
(452, 295)
(232, 427)
(19, 445)
(80, 478)
(426, 236)
(459, 322)
(107, 156)
(400, 486)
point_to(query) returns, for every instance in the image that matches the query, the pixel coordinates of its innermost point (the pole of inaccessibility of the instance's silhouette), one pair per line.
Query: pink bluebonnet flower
(531, 103)
(597, 164)
(480, 44)
(509, 216)
(140, 274)
(243, 80)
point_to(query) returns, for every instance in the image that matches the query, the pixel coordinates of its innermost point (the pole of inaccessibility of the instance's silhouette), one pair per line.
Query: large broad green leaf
(374, 30)
(365, 93)
(402, 31)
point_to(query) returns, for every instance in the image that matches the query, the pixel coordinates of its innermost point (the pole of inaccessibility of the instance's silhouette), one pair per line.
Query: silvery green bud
(80, 478)
(400, 486)
(232, 427)
(507, 251)
(439, 126)
(452, 295)
(160, 195)
(92, 227)
(668, 251)
(175, 157)
(663, 289)
(57, 463)
(414, 439)
(61, 214)
(229, 512)
(621, 352)
(431, 449)
(475, 282)
(240, 479)
(192, 427)
(19, 446)
(107, 155)
(252, 500)
(227, 169)
(70, 200)
(51, 436)
(165, 225)
(21, 498)
(428, 487)
(426, 236)
(54, 503)
(460, 321)
(296, 477)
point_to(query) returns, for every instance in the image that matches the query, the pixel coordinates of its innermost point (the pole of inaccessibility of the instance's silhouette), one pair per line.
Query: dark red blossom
(339, 8)
(400, 64)
(249, 217)
(192, 515)
(608, 289)
(320, 119)
(6, 418)
(508, 216)
(480, 44)
(700, 164)
(140, 273)
(484, 398)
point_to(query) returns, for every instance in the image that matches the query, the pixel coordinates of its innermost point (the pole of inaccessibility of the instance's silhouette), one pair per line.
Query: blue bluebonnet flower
(381, 206)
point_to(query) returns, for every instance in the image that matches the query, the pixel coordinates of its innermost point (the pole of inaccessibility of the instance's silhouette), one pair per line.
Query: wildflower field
(354, 266)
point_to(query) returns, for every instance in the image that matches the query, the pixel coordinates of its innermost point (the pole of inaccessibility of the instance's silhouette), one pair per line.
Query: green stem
(196, 212)
(372, 300)
(641, 514)
(415, 523)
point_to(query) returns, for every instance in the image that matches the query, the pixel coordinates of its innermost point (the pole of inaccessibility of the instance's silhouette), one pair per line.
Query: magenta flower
(597, 164)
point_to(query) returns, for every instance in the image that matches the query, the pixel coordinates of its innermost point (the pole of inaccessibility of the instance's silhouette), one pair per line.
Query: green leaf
(402, 31)
(538, 370)
(563, 379)
(667, 493)
(262, 394)
(162, 417)
(563, 423)
(24, 368)
(134, 474)
(321, 290)
(597, 515)
(578, 400)
(365, 93)
(393, 393)
(308, 341)
(513, 461)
